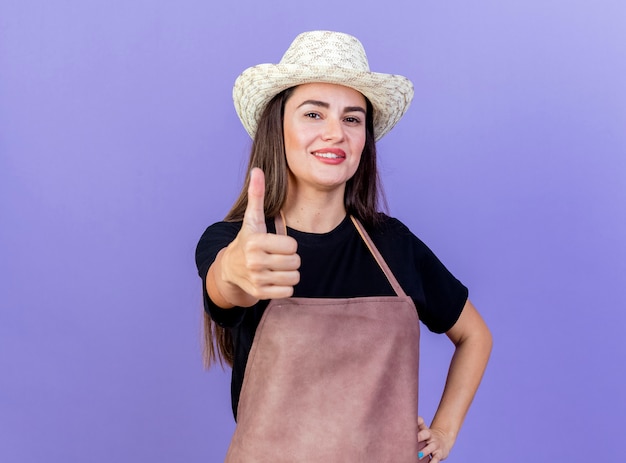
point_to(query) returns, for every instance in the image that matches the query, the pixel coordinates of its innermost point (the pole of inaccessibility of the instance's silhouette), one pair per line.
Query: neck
(315, 213)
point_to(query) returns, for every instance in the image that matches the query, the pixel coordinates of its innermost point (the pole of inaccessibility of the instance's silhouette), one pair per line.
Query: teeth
(327, 155)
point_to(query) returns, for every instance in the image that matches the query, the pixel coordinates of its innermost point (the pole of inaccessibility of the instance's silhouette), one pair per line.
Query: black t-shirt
(338, 264)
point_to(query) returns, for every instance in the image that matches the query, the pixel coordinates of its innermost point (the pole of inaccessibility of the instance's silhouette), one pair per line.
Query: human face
(324, 131)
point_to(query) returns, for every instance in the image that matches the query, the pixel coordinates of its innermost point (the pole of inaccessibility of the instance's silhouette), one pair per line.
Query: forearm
(466, 370)
(472, 341)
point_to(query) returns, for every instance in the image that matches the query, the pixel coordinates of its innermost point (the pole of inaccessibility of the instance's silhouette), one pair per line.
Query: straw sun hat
(323, 56)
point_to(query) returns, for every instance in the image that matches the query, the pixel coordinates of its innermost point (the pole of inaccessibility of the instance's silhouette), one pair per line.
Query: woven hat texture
(329, 57)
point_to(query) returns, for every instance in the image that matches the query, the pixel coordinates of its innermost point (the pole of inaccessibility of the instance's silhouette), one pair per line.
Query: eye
(353, 120)
(312, 115)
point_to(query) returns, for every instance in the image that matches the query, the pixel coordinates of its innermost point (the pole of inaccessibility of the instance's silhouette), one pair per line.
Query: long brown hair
(362, 196)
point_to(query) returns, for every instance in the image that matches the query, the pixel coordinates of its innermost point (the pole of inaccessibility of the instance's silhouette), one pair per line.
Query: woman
(311, 294)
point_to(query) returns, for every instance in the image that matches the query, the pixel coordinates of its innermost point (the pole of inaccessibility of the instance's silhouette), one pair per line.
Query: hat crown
(326, 57)
(327, 49)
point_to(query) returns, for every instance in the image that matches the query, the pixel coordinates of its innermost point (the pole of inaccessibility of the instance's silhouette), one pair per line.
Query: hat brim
(389, 94)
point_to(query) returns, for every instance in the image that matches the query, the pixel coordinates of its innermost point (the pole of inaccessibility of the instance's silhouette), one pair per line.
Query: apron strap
(281, 224)
(379, 258)
(281, 229)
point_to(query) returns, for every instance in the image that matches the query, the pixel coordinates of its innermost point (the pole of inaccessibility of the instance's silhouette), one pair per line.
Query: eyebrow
(323, 104)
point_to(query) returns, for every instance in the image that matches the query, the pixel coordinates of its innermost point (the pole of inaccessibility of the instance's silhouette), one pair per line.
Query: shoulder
(228, 229)
(398, 243)
(214, 238)
(221, 228)
(437, 293)
(389, 230)
(218, 233)
(218, 236)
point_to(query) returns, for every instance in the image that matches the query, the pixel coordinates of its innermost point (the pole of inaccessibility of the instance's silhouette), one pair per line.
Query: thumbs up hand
(256, 264)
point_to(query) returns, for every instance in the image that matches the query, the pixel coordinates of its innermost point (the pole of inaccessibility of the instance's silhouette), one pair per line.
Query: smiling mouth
(328, 155)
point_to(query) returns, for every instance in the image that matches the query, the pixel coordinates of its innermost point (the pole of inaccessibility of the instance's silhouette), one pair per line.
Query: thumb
(254, 217)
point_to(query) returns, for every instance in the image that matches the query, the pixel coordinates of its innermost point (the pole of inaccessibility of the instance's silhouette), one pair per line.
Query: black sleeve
(444, 295)
(213, 240)
(438, 295)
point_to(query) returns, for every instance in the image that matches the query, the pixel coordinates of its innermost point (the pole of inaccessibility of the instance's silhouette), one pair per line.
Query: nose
(333, 130)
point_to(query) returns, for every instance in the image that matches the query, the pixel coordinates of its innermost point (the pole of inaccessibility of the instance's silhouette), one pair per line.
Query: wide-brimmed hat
(323, 56)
